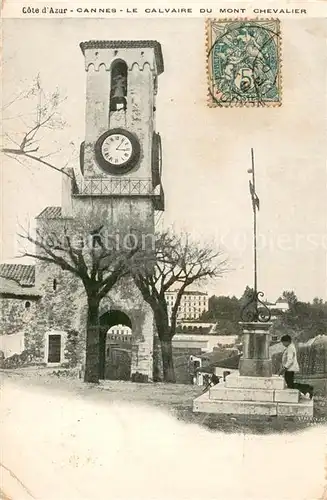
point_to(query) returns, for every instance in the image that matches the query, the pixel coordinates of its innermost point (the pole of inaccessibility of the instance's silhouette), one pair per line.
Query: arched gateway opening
(115, 346)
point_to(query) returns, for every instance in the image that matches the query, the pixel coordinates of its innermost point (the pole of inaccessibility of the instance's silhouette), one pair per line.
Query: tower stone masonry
(120, 187)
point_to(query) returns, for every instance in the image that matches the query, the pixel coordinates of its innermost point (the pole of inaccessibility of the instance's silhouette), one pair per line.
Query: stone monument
(254, 390)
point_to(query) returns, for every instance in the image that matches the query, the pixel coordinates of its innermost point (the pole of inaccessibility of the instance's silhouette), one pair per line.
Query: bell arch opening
(115, 346)
(118, 92)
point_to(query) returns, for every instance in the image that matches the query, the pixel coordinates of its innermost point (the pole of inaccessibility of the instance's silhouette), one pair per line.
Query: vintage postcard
(163, 300)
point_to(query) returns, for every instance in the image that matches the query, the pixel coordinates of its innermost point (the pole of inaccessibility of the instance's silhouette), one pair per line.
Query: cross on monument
(255, 310)
(255, 315)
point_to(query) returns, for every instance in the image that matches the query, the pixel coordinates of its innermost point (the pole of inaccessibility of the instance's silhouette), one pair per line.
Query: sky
(206, 151)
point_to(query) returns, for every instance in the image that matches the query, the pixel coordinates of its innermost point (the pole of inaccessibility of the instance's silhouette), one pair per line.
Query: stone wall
(15, 314)
(58, 309)
(63, 308)
(17, 318)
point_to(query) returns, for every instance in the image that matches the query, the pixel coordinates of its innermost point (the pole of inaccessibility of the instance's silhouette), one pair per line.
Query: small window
(27, 304)
(54, 284)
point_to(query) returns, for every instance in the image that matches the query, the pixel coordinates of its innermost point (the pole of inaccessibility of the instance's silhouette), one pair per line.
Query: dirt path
(173, 398)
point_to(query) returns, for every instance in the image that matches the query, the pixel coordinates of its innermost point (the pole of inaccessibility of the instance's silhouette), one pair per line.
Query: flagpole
(255, 309)
(254, 230)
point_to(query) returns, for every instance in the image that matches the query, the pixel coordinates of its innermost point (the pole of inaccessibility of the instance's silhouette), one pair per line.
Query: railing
(116, 186)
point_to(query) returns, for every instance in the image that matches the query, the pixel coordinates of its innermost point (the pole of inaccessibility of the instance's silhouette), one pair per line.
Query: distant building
(281, 305)
(220, 362)
(120, 333)
(207, 343)
(197, 327)
(193, 304)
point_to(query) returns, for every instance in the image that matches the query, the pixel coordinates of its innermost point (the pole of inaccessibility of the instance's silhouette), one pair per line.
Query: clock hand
(117, 148)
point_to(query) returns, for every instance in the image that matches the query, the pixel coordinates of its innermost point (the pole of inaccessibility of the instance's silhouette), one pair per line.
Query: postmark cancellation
(244, 62)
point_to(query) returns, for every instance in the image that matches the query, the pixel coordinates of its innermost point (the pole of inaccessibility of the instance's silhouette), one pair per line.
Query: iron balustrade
(116, 186)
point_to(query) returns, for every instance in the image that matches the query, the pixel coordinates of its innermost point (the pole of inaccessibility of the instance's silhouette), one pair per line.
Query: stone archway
(115, 355)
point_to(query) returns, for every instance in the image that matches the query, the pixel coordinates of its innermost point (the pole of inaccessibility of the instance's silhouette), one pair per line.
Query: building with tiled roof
(23, 274)
(50, 213)
(17, 281)
(31, 309)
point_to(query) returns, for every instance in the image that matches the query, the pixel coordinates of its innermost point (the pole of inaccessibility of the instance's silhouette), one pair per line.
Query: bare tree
(178, 262)
(82, 249)
(23, 139)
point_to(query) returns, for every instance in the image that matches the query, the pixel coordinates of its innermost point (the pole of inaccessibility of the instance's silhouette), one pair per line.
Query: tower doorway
(115, 346)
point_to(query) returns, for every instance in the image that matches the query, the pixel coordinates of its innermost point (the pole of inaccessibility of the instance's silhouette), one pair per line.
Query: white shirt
(289, 360)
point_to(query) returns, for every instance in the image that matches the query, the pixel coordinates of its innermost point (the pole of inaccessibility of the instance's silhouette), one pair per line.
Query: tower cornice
(126, 44)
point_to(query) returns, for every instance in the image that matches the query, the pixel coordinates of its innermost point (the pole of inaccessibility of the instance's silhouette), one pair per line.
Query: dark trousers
(289, 379)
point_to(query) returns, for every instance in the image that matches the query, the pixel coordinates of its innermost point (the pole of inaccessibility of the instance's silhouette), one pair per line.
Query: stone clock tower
(119, 185)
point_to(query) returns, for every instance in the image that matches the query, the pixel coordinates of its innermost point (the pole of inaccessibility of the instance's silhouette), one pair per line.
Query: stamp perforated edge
(208, 45)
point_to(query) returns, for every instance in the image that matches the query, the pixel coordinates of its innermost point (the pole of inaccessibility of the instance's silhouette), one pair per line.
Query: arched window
(118, 91)
(27, 304)
(54, 284)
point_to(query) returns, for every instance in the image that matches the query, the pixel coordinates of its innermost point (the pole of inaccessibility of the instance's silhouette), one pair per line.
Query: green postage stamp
(244, 62)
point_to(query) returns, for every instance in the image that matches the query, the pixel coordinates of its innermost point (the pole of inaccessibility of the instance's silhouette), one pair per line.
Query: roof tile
(23, 274)
(50, 213)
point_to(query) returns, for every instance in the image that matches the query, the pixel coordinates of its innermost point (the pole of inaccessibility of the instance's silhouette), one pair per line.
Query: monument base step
(221, 392)
(204, 404)
(238, 381)
(286, 395)
(304, 408)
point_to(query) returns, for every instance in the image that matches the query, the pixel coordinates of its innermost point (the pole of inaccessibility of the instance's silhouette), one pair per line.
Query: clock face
(117, 149)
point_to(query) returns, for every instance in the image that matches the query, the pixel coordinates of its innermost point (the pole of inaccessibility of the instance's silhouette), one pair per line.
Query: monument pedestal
(254, 391)
(242, 395)
(256, 341)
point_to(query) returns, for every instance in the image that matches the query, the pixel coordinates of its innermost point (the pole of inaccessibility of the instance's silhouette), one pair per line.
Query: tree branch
(35, 158)
(51, 256)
